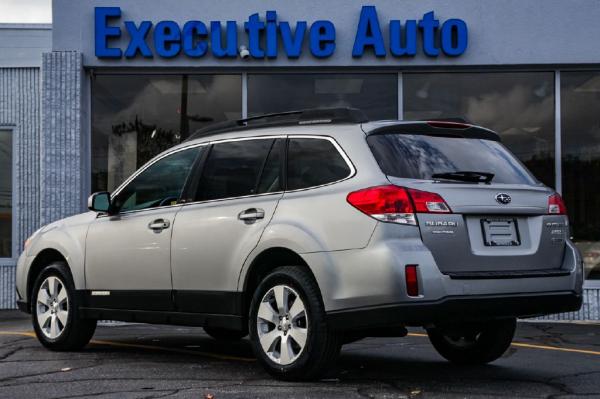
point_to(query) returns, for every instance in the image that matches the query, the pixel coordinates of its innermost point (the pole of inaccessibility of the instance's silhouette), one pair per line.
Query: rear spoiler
(445, 128)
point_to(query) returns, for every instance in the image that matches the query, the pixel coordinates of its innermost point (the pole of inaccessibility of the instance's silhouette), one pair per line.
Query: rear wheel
(474, 344)
(223, 334)
(288, 328)
(55, 311)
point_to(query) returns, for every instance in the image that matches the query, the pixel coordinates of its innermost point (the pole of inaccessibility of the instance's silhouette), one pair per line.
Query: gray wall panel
(22, 45)
(509, 32)
(19, 109)
(8, 296)
(20, 112)
(61, 142)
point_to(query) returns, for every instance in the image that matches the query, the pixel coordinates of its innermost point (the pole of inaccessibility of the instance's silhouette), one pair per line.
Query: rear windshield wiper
(467, 176)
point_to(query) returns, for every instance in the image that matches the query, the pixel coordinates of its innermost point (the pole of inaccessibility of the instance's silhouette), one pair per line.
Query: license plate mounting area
(500, 232)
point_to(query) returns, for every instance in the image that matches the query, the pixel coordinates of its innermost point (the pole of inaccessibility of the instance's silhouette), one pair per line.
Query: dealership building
(86, 101)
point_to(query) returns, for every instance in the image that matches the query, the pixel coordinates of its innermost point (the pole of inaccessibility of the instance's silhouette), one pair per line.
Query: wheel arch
(42, 259)
(262, 264)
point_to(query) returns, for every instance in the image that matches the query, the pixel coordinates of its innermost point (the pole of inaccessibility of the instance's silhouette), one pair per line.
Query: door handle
(159, 225)
(251, 215)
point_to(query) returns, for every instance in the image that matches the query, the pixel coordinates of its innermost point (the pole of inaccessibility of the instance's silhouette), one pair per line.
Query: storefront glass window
(135, 117)
(580, 105)
(5, 194)
(517, 105)
(375, 94)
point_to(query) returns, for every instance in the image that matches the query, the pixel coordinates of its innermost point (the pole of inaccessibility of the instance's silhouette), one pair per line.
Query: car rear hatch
(494, 218)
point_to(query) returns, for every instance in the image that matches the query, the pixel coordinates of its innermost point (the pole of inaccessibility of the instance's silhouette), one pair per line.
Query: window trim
(339, 149)
(198, 168)
(13, 194)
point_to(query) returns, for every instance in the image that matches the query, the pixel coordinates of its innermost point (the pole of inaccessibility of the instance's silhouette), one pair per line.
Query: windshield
(421, 157)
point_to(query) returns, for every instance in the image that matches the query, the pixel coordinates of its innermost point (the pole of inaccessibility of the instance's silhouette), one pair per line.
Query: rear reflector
(556, 205)
(396, 204)
(412, 281)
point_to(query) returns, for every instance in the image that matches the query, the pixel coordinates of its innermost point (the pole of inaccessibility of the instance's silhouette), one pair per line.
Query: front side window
(314, 162)
(233, 169)
(5, 194)
(161, 184)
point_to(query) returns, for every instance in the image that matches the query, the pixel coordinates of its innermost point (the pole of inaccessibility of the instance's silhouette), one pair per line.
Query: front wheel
(478, 344)
(288, 329)
(55, 311)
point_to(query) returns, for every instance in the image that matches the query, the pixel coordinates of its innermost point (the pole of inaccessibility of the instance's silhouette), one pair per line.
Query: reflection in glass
(395, 153)
(232, 169)
(161, 184)
(517, 105)
(375, 94)
(580, 105)
(135, 117)
(5, 194)
(313, 162)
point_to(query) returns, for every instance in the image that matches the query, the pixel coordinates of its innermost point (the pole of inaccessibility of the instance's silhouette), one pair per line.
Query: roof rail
(299, 117)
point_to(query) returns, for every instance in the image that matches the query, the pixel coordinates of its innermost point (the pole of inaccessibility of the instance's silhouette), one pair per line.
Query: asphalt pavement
(547, 360)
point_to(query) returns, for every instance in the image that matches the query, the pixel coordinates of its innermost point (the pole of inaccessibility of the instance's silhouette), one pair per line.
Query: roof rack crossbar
(300, 117)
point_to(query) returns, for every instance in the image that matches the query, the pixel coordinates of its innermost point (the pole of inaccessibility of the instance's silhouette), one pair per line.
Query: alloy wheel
(52, 307)
(282, 324)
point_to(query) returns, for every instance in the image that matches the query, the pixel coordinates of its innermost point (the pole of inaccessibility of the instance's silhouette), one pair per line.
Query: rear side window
(421, 156)
(314, 162)
(233, 169)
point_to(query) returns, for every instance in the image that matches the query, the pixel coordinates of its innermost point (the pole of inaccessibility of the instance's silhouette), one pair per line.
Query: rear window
(421, 156)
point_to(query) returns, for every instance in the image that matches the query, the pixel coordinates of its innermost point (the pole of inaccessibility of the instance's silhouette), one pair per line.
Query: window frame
(13, 194)
(201, 161)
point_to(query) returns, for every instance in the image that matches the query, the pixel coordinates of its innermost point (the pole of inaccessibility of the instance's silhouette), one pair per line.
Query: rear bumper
(456, 309)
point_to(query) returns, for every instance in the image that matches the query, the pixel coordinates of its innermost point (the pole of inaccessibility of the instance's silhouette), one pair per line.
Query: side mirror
(99, 202)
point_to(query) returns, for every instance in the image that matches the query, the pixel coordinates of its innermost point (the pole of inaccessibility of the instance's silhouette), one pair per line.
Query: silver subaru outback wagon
(308, 230)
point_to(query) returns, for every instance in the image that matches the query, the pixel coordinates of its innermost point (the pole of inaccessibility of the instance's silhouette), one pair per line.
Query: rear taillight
(396, 204)
(385, 203)
(556, 205)
(426, 202)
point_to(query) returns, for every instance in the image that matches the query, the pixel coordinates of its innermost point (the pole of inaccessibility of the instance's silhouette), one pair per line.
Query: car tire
(55, 311)
(288, 328)
(224, 334)
(475, 344)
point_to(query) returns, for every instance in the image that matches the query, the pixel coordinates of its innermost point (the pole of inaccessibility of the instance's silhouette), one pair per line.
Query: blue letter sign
(264, 36)
(104, 32)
